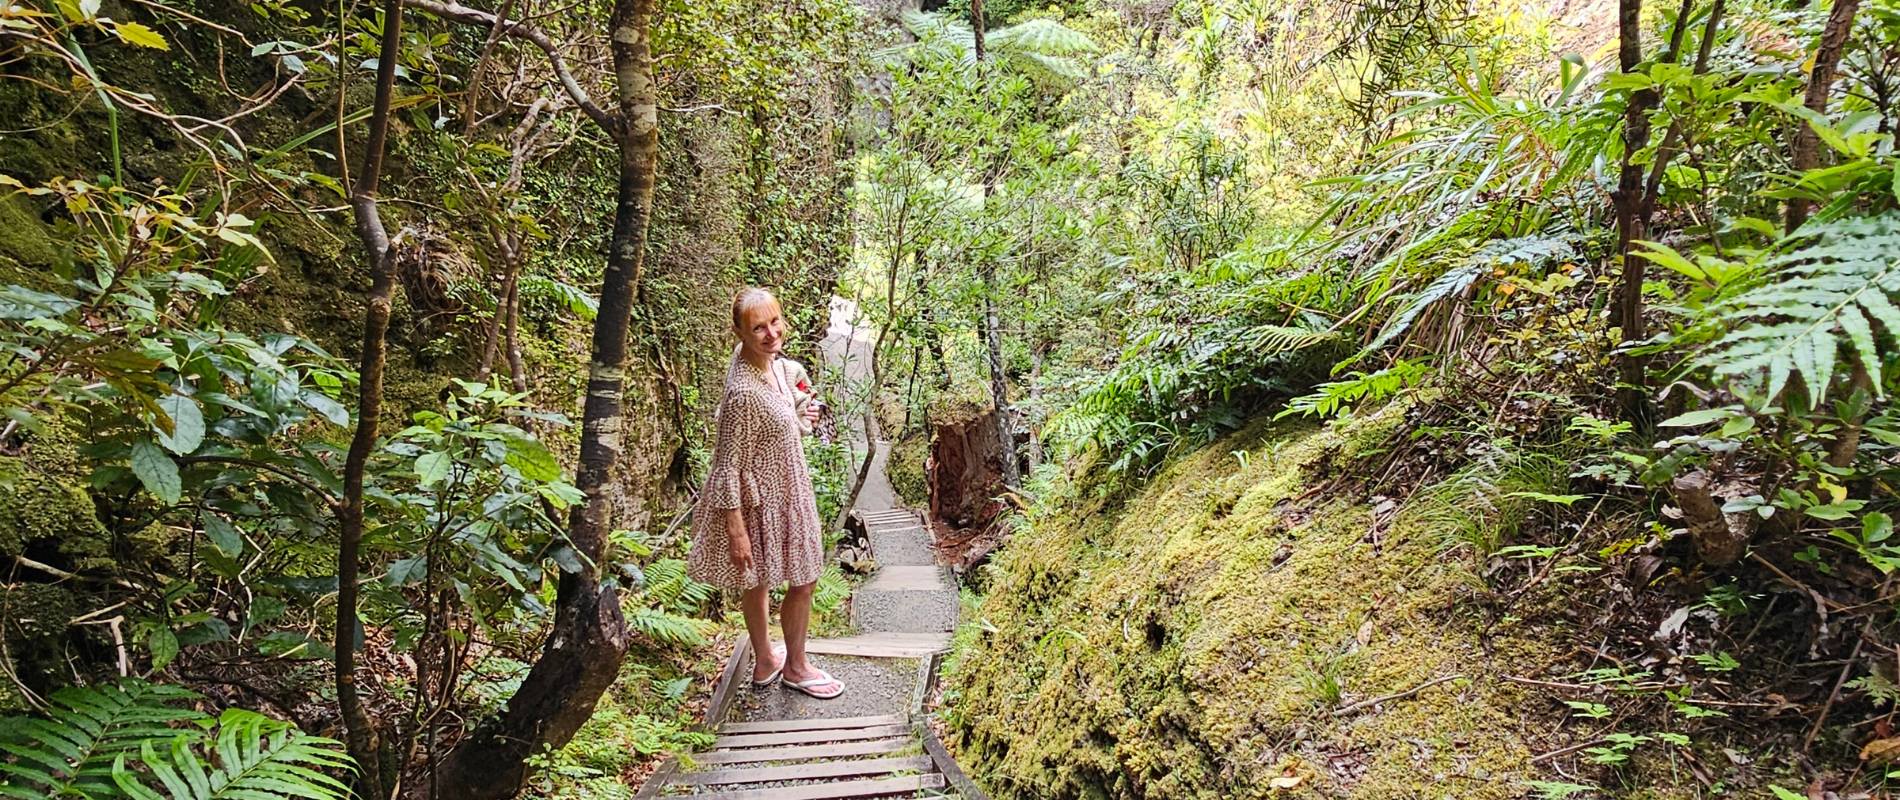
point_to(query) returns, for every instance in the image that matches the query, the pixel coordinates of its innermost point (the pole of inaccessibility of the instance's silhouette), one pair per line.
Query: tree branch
(456, 12)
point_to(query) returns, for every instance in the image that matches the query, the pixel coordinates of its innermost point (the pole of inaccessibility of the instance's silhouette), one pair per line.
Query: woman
(756, 523)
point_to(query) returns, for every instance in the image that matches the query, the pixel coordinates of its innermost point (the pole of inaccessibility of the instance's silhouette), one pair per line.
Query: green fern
(667, 628)
(1456, 282)
(671, 589)
(71, 753)
(101, 742)
(1832, 283)
(251, 757)
(1329, 399)
(1045, 48)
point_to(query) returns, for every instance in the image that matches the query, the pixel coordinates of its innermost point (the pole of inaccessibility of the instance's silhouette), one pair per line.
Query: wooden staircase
(908, 617)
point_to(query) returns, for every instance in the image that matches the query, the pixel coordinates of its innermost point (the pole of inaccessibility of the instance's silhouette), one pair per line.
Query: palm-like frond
(1042, 48)
(1832, 284)
(251, 757)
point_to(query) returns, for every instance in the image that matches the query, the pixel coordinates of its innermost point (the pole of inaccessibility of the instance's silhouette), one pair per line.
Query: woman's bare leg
(756, 602)
(795, 618)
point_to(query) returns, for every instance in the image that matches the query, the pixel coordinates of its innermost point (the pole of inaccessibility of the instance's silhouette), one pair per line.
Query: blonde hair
(749, 297)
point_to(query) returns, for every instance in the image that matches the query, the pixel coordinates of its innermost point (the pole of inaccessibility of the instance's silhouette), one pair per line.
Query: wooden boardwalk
(904, 613)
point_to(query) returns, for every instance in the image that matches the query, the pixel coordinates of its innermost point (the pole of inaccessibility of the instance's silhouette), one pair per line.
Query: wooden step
(826, 791)
(795, 772)
(781, 725)
(882, 645)
(807, 751)
(808, 736)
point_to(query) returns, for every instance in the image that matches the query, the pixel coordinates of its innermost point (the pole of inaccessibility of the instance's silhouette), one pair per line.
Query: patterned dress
(758, 466)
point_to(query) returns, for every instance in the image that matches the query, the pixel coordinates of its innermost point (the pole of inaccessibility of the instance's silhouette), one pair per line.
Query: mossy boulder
(1200, 641)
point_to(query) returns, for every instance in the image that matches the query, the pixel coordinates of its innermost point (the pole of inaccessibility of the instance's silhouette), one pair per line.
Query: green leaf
(135, 34)
(325, 406)
(224, 535)
(433, 468)
(187, 424)
(532, 459)
(1698, 418)
(157, 471)
(164, 646)
(1876, 527)
(19, 302)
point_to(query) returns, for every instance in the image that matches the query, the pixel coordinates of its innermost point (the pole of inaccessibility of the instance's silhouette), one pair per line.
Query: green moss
(906, 469)
(43, 498)
(1196, 645)
(26, 244)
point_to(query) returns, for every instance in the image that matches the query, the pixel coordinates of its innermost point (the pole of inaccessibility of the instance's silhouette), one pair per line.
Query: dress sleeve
(738, 423)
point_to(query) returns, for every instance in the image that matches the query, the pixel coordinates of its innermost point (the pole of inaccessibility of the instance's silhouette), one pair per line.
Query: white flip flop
(774, 677)
(822, 679)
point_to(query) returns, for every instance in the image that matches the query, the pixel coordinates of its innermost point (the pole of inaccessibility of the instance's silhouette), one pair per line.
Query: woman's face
(762, 328)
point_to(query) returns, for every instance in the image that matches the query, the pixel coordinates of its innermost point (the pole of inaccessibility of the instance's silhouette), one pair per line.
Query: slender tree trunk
(1827, 58)
(992, 326)
(361, 736)
(511, 339)
(589, 639)
(1632, 395)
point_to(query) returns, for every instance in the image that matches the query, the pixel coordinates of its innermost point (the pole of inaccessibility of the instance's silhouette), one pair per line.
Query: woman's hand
(739, 548)
(811, 412)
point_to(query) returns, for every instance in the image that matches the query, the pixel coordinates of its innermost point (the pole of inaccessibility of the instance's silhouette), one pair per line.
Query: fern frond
(1832, 284)
(1454, 283)
(72, 752)
(1045, 36)
(667, 628)
(1329, 399)
(251, 757)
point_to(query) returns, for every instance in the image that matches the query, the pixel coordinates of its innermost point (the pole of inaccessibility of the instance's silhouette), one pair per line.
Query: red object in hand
(803, 386)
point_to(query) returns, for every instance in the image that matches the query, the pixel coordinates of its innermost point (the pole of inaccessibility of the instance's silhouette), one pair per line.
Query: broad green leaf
(19, 302)
(157, 471)
(187, 424)
(433, 468)
(532, 459)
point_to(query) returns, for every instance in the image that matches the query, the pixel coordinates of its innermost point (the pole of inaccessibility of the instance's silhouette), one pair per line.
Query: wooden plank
(947, 765)
(834, 750)
(657, 782)
(903, 579)
(872, 649)
(728, 680)
(808, 737)
(828, 791)
(780, 725)
(794, 772)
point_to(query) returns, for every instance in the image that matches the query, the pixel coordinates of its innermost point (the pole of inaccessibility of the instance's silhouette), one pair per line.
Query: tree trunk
(589, 639)
(1632, 396)
(1807, 144)
(1717, 540)
(992, 331)
(360, 733)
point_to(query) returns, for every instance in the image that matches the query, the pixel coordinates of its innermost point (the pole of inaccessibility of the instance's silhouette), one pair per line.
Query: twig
(1840, 680)
(1823, 603)
(1364, 704)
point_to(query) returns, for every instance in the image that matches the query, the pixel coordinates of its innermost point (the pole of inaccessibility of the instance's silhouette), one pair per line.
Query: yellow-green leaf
(135, 34)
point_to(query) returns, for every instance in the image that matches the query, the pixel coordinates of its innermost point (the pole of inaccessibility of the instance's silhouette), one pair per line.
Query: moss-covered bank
(1199, 641)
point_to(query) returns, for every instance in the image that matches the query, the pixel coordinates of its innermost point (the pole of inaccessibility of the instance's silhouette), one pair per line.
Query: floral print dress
(758, 467)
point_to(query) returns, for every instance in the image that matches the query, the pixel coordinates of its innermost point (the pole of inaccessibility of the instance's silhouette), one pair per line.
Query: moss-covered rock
(1197, 643)
(26, 243)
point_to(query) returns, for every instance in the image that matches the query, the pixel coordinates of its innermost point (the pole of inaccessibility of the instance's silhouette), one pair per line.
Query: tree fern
(106, 742)
(1832, 283)
(252, 756)
(1042, 47)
